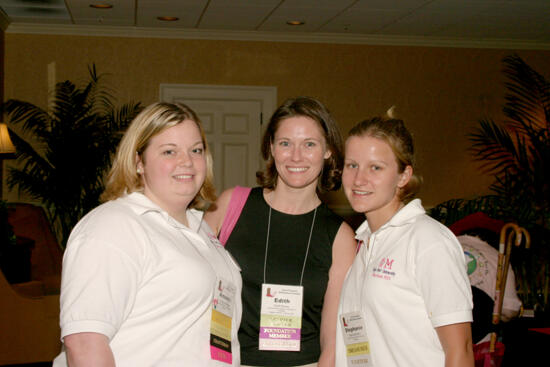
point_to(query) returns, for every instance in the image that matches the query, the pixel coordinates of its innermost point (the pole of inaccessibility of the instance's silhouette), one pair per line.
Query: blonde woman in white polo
(145, 282)
(406, 301)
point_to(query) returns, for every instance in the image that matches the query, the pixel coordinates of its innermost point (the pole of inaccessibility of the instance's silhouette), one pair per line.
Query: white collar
(403, 216)
(141, 205)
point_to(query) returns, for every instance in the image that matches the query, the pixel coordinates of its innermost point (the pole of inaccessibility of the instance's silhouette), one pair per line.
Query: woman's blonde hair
(393, 132)
(153, 120)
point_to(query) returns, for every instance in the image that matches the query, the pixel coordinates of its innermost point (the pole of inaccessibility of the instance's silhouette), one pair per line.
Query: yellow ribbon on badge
(357, 349)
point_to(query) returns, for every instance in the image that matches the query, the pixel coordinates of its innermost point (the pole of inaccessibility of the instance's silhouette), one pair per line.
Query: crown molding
(338, 38)
(4, 20)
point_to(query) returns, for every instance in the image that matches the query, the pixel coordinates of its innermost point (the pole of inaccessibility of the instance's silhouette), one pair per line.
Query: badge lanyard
(281, 308)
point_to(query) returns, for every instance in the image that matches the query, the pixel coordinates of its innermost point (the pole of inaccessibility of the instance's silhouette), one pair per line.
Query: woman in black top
(286, 235)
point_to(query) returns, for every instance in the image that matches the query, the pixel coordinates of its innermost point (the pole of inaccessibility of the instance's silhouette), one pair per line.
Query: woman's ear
(139, 164)
(405, 177)
(328, 154)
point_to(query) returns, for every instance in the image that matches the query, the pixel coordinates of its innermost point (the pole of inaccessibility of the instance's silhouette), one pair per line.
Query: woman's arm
(215, 214)
(101, 279)
(343, 253)
(456, 340)
(88, 349)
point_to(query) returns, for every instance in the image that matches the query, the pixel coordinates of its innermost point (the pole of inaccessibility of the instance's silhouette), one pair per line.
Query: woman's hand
(88, 349)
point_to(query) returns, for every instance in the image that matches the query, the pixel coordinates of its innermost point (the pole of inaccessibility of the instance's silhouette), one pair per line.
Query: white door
(233, 131)
(232, 118)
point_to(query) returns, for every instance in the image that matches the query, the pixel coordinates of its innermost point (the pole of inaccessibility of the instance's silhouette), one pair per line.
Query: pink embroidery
(383, 271)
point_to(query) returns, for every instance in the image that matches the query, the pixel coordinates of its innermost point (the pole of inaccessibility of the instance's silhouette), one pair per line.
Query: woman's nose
(184, 160)
(296, 154)
(361, 178)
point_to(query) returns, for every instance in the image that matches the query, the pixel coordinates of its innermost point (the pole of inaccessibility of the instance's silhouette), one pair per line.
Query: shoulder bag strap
(234, 209)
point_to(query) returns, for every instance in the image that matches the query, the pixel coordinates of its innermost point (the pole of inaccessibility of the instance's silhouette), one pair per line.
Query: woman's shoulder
(217, 212)
(427, 235)
(426, 224)
(330, 222)
(414, 219)
(112, 212)
(113, 222)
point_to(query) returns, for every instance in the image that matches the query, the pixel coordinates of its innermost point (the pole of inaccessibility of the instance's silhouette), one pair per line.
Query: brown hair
(331, 174)
(393, 132)
(153, 120)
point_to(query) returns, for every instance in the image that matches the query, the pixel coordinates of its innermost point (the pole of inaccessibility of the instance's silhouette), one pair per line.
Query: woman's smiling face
(371, 177)
(173, 167)
(299, 150)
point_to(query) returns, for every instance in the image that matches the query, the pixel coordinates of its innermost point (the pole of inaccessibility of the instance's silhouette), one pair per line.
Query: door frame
(267, 96)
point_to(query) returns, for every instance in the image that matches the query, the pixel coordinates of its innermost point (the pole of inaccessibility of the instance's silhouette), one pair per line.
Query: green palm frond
(72, 147)
(528, 98)
(494, 147)
(33, 118)
(27, 154)
(453, 210)
(517, 151)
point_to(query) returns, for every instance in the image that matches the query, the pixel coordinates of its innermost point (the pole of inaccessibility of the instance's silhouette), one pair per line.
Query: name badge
(281, 317)
(220, 326)
(355, 339)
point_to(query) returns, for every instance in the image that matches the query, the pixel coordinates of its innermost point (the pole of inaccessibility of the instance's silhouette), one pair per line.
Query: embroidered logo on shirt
(384, 269)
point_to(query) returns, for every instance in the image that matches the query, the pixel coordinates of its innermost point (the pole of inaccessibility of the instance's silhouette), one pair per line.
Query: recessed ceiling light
(295, 22)
(168, 19)
(101, 6)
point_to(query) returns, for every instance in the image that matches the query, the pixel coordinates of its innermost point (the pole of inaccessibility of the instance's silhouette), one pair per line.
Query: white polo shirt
(146, 281)
(408, 278)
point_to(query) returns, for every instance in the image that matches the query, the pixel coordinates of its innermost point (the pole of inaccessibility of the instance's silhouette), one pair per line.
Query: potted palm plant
(68, 148)
(516, 152)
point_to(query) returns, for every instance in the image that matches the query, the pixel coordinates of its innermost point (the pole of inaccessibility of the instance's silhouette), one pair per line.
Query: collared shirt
(146, 281)
(408, 278)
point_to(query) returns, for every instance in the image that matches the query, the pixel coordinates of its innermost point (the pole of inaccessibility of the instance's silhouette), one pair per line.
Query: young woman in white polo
(145, 281)
(406, 301)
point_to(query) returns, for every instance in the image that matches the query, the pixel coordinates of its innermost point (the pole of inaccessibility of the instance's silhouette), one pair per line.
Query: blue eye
(169, 152)
(284, 143)
(351, 165)
(310, 144)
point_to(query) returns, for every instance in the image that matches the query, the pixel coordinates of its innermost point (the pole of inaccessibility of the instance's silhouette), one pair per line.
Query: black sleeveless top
(288, 240)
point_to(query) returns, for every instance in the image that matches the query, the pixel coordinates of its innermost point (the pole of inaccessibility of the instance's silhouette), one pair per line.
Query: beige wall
(439, 92)
(1, 65)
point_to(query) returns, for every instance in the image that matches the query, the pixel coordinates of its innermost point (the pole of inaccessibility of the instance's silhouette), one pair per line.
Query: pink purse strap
(234, 209)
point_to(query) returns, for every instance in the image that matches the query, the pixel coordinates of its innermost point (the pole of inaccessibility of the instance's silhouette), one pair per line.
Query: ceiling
(481, 23)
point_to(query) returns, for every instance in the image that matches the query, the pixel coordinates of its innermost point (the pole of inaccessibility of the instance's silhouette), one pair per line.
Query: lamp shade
(6, 146)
